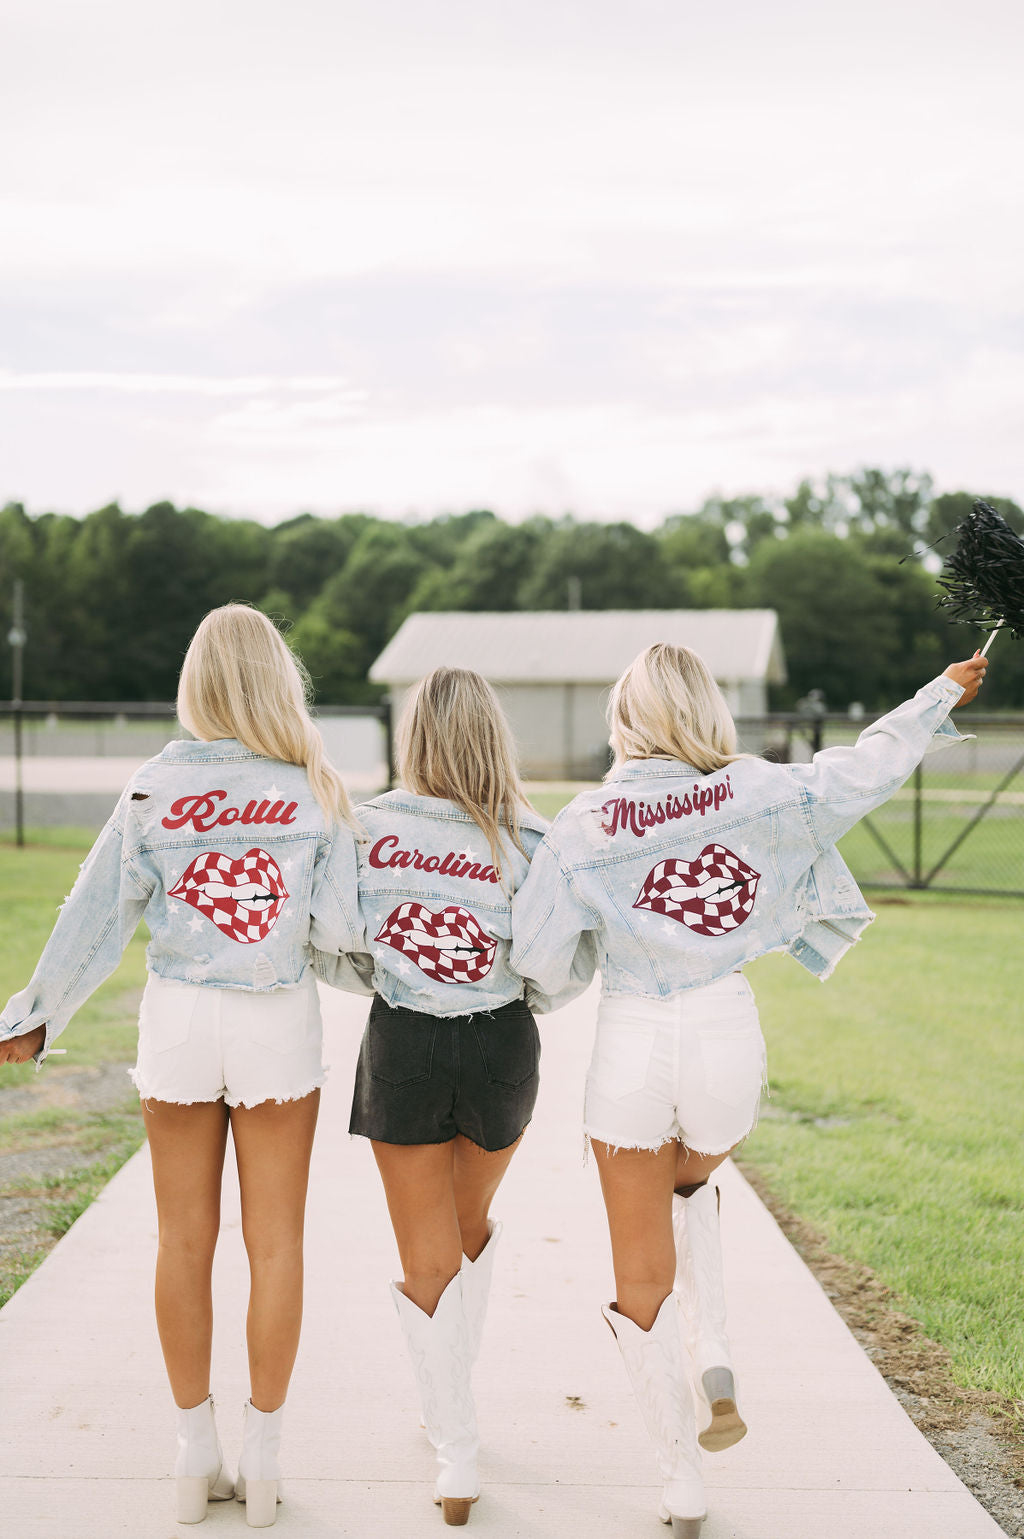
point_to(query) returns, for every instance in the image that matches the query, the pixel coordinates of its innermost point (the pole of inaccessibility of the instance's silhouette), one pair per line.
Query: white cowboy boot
(700, 1284)
(440, 1349)
(259, 1469)
(476, 1287)
(199, 1465)
(654, 1363)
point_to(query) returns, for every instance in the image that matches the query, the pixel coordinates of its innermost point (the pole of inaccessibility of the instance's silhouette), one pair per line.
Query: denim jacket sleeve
(842, 784)
(96, 922)
(553, 942)
(335, 924)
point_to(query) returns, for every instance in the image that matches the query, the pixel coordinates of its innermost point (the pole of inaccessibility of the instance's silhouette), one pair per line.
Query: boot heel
(455, 1509)
(725, 1428)
(686, 1528)
(261, 1503)
(193, 1495)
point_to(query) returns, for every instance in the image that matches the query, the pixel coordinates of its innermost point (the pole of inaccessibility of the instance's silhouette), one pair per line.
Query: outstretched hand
(20, 1049)
(970, 675)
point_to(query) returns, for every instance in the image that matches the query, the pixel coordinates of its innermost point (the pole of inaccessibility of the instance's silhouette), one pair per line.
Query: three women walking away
(460, 911)
(689, 862)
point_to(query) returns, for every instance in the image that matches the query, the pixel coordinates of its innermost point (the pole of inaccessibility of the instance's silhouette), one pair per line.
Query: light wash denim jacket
(227, 857)
(436, 916)
(682, 877)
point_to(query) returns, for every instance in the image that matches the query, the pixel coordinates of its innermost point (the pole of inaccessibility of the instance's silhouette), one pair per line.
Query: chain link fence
(956, 826)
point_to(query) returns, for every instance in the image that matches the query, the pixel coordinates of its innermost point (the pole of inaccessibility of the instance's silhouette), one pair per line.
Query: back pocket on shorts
(400, 1050)
(282, 1020)
(621, 1059)
(509, 1047)
(167, 1012)
(734, 1059)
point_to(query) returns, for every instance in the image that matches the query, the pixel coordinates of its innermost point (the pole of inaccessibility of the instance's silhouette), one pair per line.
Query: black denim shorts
(423, 1078)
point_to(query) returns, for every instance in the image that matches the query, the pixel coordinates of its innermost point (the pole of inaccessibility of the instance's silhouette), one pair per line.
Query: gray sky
(590, 256)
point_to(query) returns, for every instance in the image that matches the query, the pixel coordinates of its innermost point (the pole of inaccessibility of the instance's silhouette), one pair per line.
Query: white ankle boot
(440, 1348)
(700, 1283)
(476, 1287)
(259, 1469)
(654, 1363)
(199, 1465)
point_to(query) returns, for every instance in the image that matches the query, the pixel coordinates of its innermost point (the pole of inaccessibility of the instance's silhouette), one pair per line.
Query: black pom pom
(984, 577)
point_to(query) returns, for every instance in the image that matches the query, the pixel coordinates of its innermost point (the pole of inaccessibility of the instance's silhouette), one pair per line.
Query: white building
(553, 670)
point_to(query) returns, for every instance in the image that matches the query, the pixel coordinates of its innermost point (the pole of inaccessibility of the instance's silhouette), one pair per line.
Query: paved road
(87, 1422)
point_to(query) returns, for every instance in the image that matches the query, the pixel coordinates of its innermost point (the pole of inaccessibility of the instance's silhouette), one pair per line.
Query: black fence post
(918, 823)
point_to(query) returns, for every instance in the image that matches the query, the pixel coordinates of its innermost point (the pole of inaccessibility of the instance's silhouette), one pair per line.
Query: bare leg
(694, 1169)
(273, 1144)
(637, 1185)
(478, 1175)
(187, 1148)
(419, 1187)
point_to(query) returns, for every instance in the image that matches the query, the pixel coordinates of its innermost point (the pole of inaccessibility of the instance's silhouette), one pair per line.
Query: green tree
(616, 565)
(489, 571)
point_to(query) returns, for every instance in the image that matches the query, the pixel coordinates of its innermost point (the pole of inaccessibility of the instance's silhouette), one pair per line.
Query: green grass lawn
(33, 881)
(895, 1121)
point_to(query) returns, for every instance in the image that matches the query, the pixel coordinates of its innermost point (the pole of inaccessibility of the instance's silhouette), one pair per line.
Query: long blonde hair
(454, 741)
(667, 705)
(241, 679)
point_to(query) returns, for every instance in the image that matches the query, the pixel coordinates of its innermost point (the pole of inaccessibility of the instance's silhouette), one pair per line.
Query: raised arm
(844, 784)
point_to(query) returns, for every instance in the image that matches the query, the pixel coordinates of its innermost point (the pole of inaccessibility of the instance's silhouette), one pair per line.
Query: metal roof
(580, 646)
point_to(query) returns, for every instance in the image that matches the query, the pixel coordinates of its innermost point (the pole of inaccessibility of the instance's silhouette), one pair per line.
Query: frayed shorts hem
(245, 1102)
(615, 1145)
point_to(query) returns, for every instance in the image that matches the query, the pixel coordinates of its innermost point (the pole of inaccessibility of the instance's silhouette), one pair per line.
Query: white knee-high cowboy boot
(439, 1347)
(199, 1466)
(476, 1287)
(654, 1363)
(700, 1284)
(259, 1468)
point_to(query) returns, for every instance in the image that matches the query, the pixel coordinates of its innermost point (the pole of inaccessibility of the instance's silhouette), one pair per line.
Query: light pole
(17, 638)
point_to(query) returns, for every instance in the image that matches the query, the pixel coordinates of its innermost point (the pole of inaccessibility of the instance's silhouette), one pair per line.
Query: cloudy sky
(425, 255)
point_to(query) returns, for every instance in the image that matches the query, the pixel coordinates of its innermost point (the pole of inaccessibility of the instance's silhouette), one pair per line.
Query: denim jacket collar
(221, 750)
(646, 769)
(441, 808)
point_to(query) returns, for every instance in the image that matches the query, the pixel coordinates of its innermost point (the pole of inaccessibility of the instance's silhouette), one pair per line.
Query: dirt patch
(979, 1434)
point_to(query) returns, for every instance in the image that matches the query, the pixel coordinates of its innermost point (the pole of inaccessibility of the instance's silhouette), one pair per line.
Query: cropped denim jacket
(227, 857)
(681, 877)
(437, 918)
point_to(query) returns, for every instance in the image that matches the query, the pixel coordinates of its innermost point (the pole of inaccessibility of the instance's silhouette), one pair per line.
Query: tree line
(849, 562)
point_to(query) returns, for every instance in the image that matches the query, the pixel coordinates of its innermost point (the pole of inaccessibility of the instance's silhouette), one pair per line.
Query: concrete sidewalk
(87, 1425)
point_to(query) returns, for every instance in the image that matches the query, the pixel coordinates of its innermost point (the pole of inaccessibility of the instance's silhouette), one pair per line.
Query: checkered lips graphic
(449, 946)
(243, 897)
(712, 894)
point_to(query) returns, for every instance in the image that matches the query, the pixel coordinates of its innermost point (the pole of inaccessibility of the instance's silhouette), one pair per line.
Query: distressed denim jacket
(226, 856)
(683, 877)
(436, 915)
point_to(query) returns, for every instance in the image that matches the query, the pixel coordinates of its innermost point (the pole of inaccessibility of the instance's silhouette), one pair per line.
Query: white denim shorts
(689, 1068)
(198, 1043)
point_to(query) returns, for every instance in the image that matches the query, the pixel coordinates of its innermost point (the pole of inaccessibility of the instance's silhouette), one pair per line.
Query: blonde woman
(238, 850)
(691, 861)
(448, 1067)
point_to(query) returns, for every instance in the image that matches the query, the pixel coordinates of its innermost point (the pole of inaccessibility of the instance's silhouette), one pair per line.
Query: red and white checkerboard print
(242, 896)
(712, 894)
(449, 946)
